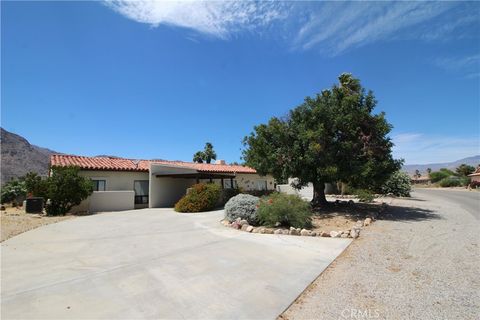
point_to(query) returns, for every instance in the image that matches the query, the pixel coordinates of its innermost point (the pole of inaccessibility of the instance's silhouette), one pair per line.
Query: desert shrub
(201, 197)
(227, 194)
(66, 188)
(398, 184)
(288, 210)
(243, 206)
(453, 181)
(364, 195)
(13, 191)
(443, 173)
(36, 186)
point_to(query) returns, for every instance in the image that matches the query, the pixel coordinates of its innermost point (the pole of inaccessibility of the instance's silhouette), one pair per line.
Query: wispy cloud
(468, 65)
(336, 27)
(330, 27)
(215, 18)
(417, 148)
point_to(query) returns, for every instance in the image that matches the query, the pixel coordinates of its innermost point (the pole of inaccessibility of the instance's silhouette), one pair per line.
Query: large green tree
(334, 136)
(464, 169)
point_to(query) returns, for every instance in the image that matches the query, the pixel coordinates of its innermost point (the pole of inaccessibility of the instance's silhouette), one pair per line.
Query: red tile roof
(476, 173)
(121, 164)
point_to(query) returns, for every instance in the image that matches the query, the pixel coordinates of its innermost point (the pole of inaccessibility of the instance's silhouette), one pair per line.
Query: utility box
(34, 205)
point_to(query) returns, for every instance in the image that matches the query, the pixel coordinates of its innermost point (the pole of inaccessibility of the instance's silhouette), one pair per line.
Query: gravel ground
(421, 261)
(15, 221)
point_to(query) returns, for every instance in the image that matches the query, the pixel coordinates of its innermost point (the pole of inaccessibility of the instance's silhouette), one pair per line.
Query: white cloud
(469, 65)
(336, 27)
(417, 148)
(216, 18)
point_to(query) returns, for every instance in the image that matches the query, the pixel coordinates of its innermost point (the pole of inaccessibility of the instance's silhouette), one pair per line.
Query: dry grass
(15, 221)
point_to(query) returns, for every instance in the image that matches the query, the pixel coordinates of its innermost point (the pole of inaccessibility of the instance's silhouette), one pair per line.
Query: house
(124, 184)
(420, 180)
(475, 177)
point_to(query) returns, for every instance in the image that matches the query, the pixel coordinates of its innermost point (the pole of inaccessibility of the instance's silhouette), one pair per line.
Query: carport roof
(121, 164)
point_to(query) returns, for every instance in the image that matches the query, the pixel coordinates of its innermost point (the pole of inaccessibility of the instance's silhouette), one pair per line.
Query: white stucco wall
(111, 201)
(116, 180)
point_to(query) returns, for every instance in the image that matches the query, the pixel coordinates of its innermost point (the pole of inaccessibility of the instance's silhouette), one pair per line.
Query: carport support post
(231, 183)
(222, 183)
(198, 180)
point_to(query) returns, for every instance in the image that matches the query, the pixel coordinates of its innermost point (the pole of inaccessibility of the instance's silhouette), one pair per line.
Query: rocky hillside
(20, 157)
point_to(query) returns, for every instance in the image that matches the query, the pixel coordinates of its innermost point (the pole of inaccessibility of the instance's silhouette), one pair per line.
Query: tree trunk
(319, 194)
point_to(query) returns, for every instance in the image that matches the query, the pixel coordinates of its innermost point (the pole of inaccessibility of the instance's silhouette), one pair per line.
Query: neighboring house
(420, 180)
(475, 177)
(123, 184)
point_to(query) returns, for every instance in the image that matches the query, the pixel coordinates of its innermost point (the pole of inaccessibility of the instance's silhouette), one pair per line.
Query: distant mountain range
(472, 161)
(18, 157)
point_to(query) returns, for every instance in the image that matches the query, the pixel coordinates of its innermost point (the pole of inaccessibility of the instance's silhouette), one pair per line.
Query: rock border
(352, 233)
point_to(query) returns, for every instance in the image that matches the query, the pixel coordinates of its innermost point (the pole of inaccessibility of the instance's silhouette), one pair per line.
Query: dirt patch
(343, 215)
(15, 221)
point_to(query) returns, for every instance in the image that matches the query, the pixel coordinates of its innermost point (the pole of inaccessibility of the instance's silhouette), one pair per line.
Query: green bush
(13, 191)
(200, 197)
(453, 181)
(66, 188)
(36, 186)
(443, 173)
(286, 209)
(364, 195)
(398, 184)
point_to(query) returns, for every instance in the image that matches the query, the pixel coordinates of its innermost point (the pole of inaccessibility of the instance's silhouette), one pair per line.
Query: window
(99, 185)
(227, 183)
(141, 191)
(261, 184)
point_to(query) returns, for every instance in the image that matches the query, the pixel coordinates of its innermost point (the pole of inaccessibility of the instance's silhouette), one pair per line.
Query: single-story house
(420, 180)
(475, 177)
(124, 184)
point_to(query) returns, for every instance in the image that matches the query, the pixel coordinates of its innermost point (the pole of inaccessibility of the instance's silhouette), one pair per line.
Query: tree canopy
(464, 169)
(207, 155)
(331, 137)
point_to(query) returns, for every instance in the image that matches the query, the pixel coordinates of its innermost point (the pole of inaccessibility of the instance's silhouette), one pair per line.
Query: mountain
(472, 161)
(19, 157)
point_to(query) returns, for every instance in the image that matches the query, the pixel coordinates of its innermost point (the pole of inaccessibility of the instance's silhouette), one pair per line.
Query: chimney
(219, 161)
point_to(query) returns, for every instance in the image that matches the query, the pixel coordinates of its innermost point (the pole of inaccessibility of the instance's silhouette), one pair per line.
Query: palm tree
(209, 153)
(198, 157)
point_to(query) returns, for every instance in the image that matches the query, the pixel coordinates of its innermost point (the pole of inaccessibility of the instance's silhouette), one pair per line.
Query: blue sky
(158, 79)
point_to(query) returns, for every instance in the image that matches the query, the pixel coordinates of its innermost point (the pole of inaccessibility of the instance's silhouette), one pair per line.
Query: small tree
(417, 174)
(207, 155)
(35, 185)
(464, 170)
(334, 136)
(13, 190)
(66, 188)
(429, 170)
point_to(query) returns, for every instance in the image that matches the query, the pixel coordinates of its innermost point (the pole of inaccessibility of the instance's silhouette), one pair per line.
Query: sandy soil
(419, 261)
(15, 221)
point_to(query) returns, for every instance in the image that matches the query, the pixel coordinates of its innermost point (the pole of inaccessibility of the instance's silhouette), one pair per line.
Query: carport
(168, 183)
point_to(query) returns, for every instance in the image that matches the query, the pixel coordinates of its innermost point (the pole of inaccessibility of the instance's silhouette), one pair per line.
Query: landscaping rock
(354, 233)
(344, 235)
(324, 234)
(243, 222)
(313, 234)
(367, 222)
(334, 234)
(304, 232)
(268, 231)
(359, 223)
(249, 229)
(294, 232)
(256, 230)
(262, 230)
(278, 231)
(244, 227)
(225, 222)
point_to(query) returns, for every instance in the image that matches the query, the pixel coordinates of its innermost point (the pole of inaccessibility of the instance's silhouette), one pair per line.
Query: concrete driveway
(155, 263)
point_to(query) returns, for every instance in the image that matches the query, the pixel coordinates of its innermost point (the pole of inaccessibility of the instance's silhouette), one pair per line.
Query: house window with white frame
(261, 184)
(99, 185)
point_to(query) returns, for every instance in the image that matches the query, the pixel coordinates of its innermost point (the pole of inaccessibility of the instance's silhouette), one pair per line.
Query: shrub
(443, 173)
(398, 184)
(259, 193)
(288, 210)
(364, 195)
(200, 197)
(243, 206)
(36, 186)
(227, 194)
(66, 188)
(453, 182)
(13, 191)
